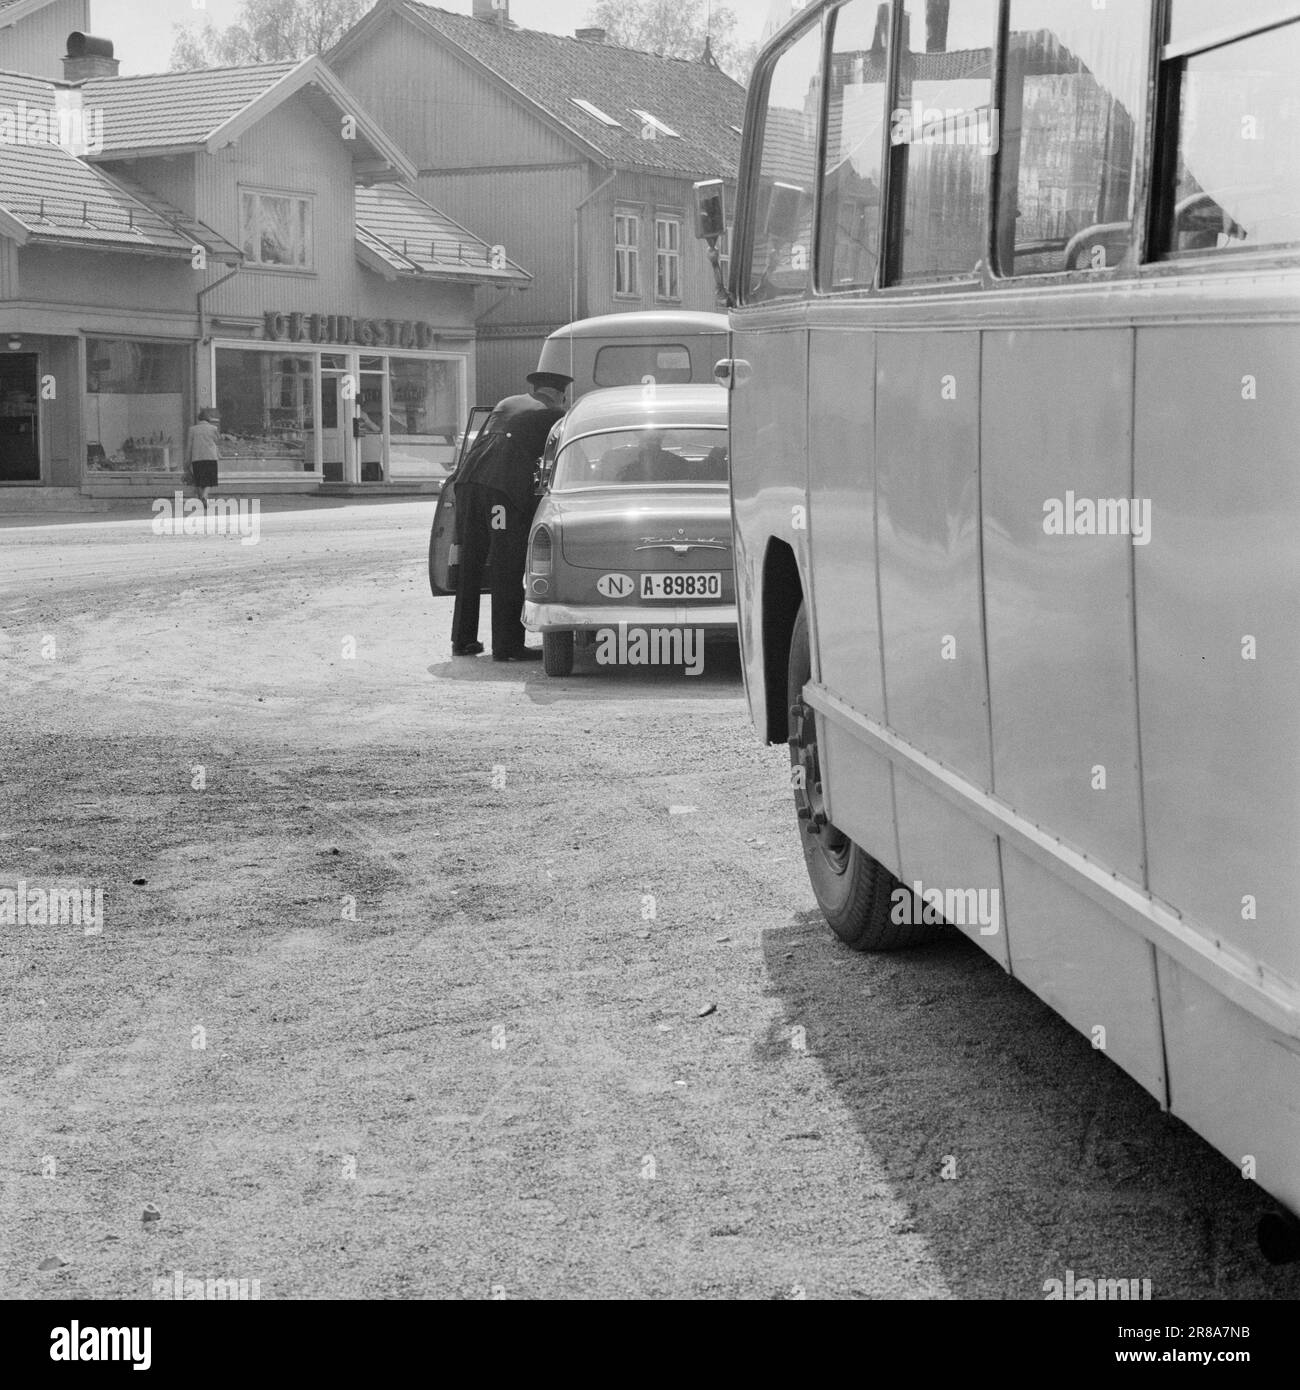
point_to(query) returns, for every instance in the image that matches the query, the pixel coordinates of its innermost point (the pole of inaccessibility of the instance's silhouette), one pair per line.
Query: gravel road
(435, 978)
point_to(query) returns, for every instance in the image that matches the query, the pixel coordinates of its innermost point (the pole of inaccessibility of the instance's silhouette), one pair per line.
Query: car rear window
(628, 364)
(643, 457)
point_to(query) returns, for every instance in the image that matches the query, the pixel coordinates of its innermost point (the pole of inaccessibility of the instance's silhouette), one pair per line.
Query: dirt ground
(424, 977)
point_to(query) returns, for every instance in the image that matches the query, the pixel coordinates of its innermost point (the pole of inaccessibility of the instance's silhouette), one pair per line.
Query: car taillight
(539, 557)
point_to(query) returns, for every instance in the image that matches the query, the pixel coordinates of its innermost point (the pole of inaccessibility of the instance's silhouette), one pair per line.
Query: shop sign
(343, 328)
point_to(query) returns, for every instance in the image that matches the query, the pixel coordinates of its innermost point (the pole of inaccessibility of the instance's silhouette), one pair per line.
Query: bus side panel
(1234, 1080)
(841, 489)
(841, 492)
(942, 848)
(927, 451)
(1059, 608)
(1094, 971)
(1218, 637)
(768, 480)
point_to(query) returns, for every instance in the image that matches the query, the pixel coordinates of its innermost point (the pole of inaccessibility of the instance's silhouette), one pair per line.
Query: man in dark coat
(495, 503)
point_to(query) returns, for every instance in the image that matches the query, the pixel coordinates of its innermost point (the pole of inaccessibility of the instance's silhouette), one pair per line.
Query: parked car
(634, 527)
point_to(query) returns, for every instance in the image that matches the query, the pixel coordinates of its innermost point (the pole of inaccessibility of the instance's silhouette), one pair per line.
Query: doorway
(335, 431)
(20, 442)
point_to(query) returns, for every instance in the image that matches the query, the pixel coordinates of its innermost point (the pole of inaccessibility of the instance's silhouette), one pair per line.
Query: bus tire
(557, 653)
(853, 890)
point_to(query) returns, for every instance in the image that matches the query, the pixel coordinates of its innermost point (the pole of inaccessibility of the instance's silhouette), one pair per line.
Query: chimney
(591, 35)
(492, 11)
(88, 57)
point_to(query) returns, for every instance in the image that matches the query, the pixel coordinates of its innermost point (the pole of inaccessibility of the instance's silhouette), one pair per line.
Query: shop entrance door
(20, 443)
(336, 411)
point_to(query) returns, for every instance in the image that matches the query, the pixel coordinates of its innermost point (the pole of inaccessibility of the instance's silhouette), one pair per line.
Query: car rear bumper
(564, 617)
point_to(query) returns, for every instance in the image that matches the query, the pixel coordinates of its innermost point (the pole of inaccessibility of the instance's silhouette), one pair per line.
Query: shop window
(276, 229)
(780, 261)
(627, 253)
(668, 258)
(267, 405)
(855, 127)
(425, 406)
(1076, 78)
(134, 406)
(943, 133)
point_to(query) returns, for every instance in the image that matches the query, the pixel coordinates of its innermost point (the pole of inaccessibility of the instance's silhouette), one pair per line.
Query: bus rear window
(1236, 183)
(628, 364)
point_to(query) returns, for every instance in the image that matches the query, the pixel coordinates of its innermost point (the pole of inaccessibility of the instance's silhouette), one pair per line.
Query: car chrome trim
(543, 617)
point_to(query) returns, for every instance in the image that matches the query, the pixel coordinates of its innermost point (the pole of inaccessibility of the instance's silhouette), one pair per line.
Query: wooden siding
(109, 280)
(37, 44)
(293, 151)
(646, 195)
(502, 365)
(444, 113)
(530, 213)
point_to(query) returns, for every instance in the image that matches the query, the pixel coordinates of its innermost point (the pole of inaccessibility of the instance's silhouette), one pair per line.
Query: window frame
(632, 249)
(669, 218)
(1169, 62)
(248, 190)
(1155, 137)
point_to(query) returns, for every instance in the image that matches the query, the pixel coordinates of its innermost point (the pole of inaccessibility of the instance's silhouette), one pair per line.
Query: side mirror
(710, 209)
(711, 226)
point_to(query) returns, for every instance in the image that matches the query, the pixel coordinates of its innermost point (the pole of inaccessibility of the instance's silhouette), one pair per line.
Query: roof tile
(696, 100)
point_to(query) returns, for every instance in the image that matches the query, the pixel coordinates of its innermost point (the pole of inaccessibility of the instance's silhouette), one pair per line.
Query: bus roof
(647, 323)
(697, 404)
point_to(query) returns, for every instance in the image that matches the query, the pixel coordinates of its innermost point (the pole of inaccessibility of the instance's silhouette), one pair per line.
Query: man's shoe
(519, 654)
(466, 648)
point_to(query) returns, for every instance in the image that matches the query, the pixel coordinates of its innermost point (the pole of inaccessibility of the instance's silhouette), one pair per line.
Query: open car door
(443, 549)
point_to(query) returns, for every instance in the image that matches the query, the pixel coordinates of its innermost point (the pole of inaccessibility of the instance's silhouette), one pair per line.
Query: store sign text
(343, 328)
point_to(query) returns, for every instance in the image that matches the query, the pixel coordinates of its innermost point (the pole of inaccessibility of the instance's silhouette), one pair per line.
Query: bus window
(780, 261)
(1237, 179)
(942, 134)
(1075, 81)
(855, 114)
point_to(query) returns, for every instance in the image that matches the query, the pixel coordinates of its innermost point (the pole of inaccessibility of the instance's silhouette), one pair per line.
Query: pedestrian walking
(205, 450)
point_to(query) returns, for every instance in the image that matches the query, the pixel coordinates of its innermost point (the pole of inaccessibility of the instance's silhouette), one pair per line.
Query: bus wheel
(557, 653)
(853, 890)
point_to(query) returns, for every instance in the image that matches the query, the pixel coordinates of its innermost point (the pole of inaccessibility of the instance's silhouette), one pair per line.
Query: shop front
(296, 404)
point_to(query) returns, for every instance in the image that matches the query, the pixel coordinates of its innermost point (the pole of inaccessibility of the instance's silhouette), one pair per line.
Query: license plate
(661, 585)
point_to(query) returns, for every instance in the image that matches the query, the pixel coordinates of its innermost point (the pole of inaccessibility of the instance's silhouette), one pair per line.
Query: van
(665, 346)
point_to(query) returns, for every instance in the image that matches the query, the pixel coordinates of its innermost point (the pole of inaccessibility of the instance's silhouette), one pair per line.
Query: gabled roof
(400, 235)
(544, 72)
(50, 196)
(11, 11)
(202, 110)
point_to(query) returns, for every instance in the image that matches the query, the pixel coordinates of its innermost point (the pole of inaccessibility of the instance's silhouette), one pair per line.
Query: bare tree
(268, 31)
(676, 29)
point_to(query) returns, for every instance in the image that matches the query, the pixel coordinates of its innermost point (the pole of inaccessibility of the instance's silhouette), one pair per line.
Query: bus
(1015, 335)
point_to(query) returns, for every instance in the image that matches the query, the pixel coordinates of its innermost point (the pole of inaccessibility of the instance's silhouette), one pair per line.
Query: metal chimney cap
(88, 46)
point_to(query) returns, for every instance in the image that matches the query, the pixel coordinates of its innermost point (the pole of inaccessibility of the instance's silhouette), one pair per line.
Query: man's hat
(556, 379)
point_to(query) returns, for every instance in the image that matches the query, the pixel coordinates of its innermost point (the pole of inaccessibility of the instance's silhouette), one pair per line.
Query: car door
(443, 547)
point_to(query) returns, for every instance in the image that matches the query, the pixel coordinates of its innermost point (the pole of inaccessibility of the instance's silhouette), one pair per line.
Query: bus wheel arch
(782, 599)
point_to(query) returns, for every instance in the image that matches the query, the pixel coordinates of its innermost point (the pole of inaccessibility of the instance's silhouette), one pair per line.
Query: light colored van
(664, 346)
